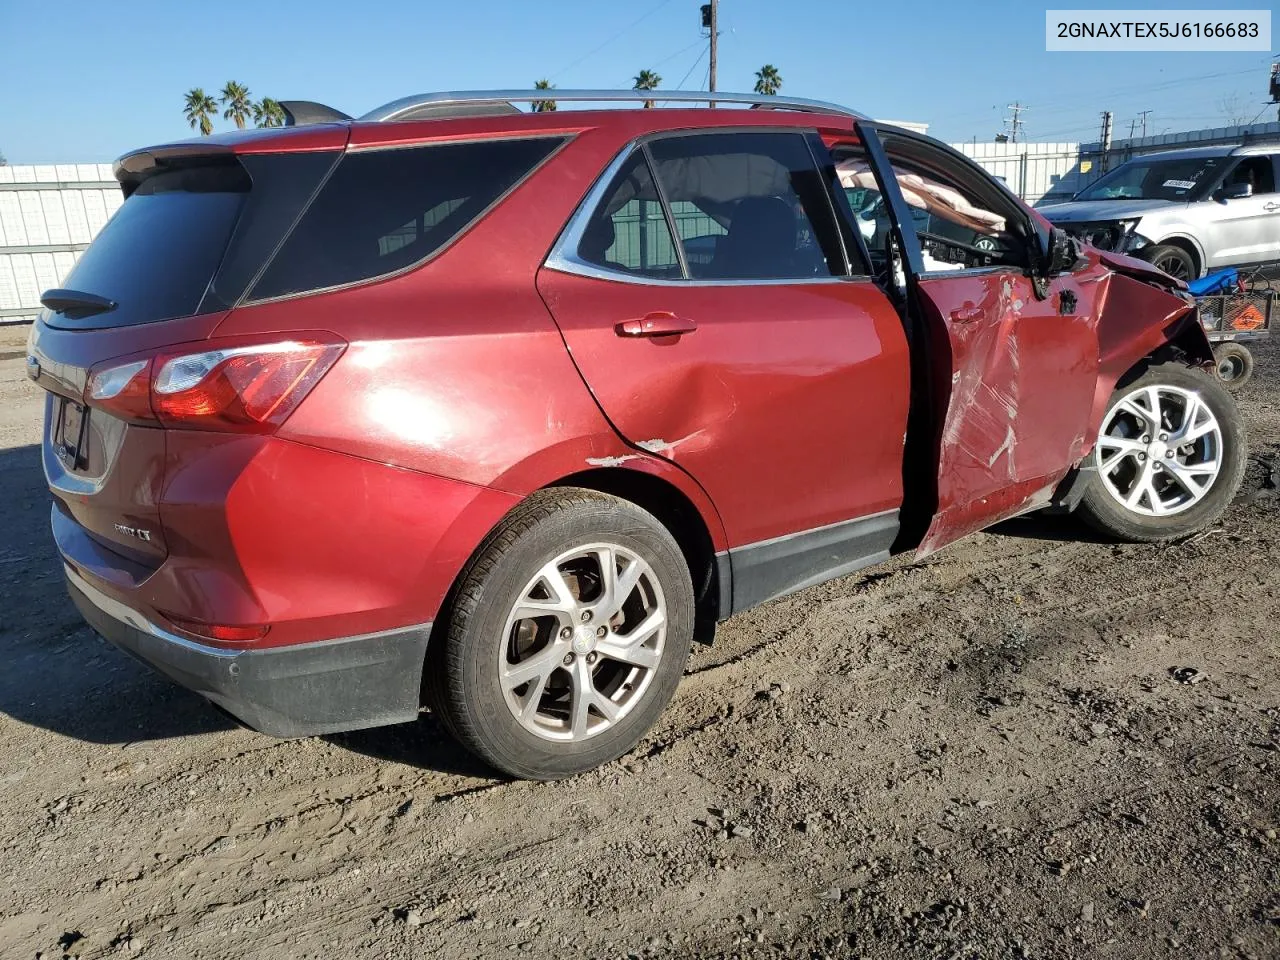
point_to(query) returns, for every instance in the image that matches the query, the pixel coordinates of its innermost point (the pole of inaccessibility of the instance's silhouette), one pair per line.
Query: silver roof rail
(405, 107)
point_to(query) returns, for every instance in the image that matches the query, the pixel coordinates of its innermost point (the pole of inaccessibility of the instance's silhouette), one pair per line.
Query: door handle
(659, 324)
(1271, 207)
(968, 314)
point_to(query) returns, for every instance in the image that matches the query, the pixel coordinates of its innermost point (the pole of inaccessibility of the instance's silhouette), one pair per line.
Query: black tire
(463, 684)
(1173, 260)
(1234, 364)
(1103, 511)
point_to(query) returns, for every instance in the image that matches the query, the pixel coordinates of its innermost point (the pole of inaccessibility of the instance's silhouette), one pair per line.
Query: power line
(623, 31)
(701, 53)
(1131, 90)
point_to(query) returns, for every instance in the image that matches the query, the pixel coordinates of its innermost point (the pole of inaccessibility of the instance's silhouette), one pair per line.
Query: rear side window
(156, 257)
(629, 233)
(749, 206)
(384, 210)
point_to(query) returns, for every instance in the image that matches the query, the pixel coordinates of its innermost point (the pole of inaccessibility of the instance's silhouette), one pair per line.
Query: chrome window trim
(971, 271)
(564, 258)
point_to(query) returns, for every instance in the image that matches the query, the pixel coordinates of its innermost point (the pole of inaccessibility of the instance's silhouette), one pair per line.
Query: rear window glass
(156, 256)
(384, 210)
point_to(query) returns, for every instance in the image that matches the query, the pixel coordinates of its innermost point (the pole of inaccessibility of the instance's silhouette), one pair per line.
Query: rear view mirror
(1237, 191)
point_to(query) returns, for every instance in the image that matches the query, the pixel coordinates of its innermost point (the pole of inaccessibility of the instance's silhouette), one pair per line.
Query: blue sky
(88, 80)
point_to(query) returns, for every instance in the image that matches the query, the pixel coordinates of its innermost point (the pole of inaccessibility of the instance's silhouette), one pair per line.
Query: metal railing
(400, 109)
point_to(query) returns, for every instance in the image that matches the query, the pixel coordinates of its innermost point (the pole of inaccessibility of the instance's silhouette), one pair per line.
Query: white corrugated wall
(48, 215)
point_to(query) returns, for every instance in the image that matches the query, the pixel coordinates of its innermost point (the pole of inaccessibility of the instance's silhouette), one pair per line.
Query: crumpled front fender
(1142, 311)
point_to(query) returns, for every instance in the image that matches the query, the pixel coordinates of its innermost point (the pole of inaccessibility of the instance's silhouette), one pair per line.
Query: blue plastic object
(1221, 281)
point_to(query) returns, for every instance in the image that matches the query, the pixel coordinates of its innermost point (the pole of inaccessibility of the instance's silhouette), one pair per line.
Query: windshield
(1156, 179)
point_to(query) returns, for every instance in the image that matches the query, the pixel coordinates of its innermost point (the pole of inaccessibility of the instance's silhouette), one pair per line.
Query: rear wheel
(1173, 260)
(568, 635)
(1234, 364)
(1169, 458)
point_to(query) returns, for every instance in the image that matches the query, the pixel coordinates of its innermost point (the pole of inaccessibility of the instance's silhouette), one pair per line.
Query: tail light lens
(217, 631)
(246, 388)
(124, 390)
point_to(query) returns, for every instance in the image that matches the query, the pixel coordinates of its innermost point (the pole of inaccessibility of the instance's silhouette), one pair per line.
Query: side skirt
(774, 568)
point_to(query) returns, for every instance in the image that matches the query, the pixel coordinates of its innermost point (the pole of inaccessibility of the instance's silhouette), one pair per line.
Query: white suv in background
(1186, 211)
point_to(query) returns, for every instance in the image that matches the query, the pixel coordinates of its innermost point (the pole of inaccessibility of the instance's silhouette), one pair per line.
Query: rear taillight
(124, 390)
(247, 388)
(218, 631)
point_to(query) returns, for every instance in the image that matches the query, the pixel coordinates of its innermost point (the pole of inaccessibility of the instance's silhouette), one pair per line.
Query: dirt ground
(988, 754)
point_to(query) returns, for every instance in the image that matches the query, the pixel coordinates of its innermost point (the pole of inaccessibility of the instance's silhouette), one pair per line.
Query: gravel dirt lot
(988, 754)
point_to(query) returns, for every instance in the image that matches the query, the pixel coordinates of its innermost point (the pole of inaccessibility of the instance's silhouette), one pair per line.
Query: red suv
(498, 411)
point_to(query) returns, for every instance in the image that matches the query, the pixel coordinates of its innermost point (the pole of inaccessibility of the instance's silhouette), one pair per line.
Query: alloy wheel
(581, 645)
(1160, 450)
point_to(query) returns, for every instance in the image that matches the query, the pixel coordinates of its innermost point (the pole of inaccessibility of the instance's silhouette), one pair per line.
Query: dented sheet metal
(1013, 382)
(787, 403)
(1021, 384)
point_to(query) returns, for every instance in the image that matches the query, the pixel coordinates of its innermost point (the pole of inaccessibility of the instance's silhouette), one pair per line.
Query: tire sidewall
(507, 743)
(1106, 512)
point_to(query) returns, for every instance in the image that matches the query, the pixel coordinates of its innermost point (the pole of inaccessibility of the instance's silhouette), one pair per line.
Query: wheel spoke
(533, 697)
(1188, 475)
(584, 693)
(630, 648)
(562, 604)
(1124, 447)
(1148, 417)
(616, 586)
(1141, 487)
(1197, 421)
(537, 667)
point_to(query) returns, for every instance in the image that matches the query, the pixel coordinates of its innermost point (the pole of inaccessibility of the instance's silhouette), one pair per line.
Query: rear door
(705, 293)
(1009, 372)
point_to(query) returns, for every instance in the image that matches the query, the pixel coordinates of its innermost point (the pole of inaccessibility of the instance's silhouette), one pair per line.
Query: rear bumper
(297, 690)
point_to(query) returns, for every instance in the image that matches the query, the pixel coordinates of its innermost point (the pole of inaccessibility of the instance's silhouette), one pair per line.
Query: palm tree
(647, 80)
(200, 110)
(268, 113)
(768, 80)
(544, 106)
(235, 97)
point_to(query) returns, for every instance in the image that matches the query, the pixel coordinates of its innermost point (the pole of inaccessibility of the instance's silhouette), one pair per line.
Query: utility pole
(1274, 88)
(1107, 121)
(1015, 122)
(1143, 114)
(710, 14)
(1133, 125)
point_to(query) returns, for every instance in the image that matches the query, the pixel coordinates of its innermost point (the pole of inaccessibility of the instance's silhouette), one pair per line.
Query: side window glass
(382, 211)
(870, 215)
(1257, 172)
(955, 229)
(749, 206)
(628, 233)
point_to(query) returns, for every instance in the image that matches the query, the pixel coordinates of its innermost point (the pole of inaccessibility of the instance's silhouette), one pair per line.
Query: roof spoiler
(299, 112)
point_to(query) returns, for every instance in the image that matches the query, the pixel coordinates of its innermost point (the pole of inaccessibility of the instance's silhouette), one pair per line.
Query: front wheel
(568, 635)
(1173, 260)
(1170, 456)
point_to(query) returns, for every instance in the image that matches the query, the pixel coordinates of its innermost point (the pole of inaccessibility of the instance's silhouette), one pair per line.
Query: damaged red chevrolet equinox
(495, 412)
